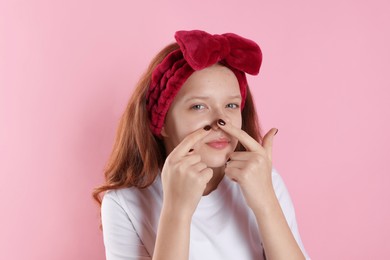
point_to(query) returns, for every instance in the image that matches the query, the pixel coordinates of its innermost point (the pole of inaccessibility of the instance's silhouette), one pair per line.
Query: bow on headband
(201, 50)
(198, 50)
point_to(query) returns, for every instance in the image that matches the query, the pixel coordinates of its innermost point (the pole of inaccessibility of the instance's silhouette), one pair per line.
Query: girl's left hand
(252, 168)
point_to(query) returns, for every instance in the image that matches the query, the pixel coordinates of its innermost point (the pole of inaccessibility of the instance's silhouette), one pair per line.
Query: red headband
(198, 50)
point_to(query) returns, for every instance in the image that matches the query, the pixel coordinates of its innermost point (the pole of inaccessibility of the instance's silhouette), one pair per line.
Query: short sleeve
(287, 208)
(121, 241)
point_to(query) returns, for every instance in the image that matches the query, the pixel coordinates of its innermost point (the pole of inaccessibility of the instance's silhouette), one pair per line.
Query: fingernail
(207, 127)
(221, 122)
(276, 131)
(190, 150)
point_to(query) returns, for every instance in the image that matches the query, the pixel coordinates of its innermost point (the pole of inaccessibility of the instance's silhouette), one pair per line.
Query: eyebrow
(206, 97)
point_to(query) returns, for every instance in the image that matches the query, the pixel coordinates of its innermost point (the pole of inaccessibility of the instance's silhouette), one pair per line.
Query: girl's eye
(198, 107)
(232, 105)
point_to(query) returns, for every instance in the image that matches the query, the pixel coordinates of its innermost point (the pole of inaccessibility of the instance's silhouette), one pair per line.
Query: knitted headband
(198, 50)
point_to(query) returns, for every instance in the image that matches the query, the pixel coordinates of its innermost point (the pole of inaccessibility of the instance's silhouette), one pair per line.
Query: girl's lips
(219, 145)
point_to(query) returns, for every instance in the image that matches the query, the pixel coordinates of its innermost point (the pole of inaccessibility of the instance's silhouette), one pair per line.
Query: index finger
(246, 140)
(190, 140)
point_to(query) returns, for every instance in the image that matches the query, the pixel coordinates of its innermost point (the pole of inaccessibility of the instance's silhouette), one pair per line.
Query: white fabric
(223, 226)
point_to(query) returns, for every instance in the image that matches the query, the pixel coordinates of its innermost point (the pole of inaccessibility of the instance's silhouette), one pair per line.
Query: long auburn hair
(137, 155)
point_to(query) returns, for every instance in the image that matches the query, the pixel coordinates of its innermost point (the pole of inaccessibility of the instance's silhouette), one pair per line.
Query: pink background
(67, 69)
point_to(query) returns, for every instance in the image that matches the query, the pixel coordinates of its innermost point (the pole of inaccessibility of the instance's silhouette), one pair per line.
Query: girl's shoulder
(131, 198)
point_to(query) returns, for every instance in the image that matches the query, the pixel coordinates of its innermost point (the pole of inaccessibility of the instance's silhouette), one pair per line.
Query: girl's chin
(215, 162)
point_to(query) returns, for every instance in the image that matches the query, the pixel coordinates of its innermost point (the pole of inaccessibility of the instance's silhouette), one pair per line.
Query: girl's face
(208, 95)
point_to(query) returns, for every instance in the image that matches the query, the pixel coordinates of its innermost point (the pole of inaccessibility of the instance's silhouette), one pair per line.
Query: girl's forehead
(209, 80)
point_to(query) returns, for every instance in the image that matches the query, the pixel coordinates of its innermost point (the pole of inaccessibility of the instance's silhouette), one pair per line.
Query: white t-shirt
(223, 226)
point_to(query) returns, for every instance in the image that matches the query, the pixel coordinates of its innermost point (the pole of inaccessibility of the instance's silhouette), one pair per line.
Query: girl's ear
(163, 132)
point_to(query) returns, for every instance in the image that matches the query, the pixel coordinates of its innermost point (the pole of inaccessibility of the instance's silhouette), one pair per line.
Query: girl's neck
(215, 180)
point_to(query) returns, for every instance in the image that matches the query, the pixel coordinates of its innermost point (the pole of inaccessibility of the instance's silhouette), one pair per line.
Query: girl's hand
(252, 169)
(184, 176)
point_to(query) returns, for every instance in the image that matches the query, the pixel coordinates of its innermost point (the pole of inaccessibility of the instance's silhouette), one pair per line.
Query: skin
(207, 96)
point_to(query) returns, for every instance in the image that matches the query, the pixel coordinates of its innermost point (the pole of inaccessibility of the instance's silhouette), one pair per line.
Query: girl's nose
(214, 125)
(218, 113)
(216, 117)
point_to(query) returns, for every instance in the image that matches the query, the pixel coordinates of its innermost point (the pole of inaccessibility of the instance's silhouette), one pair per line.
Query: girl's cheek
(185, 127)
(193, 123)
(236, 120)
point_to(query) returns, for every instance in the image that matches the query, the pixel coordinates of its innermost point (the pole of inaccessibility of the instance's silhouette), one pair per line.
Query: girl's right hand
(184, 176)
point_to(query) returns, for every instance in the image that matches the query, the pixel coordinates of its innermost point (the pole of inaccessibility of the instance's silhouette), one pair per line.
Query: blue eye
(232, 105)
(198, 107)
